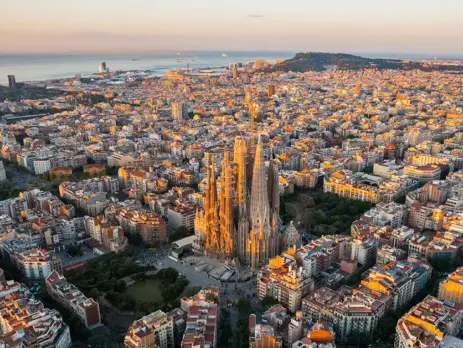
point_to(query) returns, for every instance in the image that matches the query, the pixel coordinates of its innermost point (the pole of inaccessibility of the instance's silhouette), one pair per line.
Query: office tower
(271, 90)
(12, 81)
(179, 111)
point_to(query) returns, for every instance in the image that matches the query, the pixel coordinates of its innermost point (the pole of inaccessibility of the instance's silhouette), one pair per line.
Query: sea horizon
(28, 67)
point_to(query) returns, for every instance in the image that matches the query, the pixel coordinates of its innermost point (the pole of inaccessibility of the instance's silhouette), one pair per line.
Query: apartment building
(181, 215)
(388, 254)
(202, 318)
(285, 281)
(342, 185)
(428, 324)
(386, 214)
(402, 281)
(70, 297)
(101, 230)
(151, 226)
(263, 336)
(350, 312)
(155, 330)
(25, 322)
(423, 173)
(35, 264)
(321, 253)
(451, 289)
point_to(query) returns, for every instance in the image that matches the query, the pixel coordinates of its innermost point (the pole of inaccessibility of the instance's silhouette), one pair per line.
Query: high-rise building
(12, 81)
(235, 72)
(102, 68)
(179, 111)
(236, 221)
(271, 90)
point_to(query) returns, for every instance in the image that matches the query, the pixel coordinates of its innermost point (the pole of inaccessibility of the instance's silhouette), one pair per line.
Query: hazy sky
(401, 26)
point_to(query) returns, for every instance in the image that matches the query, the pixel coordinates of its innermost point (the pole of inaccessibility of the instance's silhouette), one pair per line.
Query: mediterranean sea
(37, 67)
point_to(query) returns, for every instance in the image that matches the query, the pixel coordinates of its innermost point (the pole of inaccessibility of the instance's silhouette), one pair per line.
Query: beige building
(155, 330)
(285, 281)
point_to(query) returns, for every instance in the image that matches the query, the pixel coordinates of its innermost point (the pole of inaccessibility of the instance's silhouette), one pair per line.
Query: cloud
(256, 15)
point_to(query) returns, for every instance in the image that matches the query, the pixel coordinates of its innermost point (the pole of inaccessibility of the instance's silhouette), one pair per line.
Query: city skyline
(411, 27)
(243, 174)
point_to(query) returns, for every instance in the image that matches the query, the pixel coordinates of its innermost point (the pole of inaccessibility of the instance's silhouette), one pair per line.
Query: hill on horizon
(319, 61)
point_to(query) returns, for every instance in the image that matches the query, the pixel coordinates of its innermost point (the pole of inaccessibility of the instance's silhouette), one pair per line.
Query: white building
(364, 251)
(42, 166)
(181, 216)
(34, 264)
(2, 172)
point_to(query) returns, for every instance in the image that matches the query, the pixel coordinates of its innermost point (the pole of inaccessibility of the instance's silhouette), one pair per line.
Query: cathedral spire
(241, 159)
(226, 207)
(259, 190)
(211, 208)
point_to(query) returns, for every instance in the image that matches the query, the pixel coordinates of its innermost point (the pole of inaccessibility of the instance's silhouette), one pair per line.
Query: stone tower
(263, 242)
(241, 198)
(226, 200)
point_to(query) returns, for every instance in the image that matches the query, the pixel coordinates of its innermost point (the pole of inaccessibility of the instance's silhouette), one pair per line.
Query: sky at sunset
(393, 26)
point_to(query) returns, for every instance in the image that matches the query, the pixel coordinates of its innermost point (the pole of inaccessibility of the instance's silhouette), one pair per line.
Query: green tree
(244, 310)
(225, 329)
(268, 301)
(8, 190)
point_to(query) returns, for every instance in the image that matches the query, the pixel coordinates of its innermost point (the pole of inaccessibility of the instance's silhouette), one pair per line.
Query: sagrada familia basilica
(240, 216)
